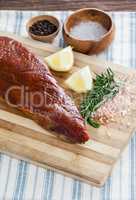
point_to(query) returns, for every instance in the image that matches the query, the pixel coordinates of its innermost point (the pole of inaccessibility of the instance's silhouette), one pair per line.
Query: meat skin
(20, 68)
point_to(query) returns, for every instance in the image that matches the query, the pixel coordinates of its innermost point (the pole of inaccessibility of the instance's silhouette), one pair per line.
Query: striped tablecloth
(21, 180)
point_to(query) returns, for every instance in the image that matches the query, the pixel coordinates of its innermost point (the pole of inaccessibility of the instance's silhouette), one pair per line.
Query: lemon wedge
(61, 61)
(80, 81)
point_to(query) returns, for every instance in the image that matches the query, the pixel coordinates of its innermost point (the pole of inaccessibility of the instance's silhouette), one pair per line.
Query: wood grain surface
(109, 5)
(91, 162)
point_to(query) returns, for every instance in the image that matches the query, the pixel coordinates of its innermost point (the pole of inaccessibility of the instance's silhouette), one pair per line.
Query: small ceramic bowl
(89, 46)
(47, 38)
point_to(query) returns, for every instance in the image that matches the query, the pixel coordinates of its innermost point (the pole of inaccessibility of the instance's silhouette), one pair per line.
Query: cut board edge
(11, 146)
(97, 184)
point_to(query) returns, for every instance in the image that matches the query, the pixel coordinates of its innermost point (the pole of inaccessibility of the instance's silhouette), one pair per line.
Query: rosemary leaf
(105, 87)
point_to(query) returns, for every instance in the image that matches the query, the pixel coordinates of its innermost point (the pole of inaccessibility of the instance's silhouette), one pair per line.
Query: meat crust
(26, 83)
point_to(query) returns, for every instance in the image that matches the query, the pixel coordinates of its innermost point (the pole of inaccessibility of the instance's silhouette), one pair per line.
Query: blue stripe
(20, 22)
(76, 194)
(48, 186)
(34, 184)
(16, 25)
(21, 179)
(63, 17)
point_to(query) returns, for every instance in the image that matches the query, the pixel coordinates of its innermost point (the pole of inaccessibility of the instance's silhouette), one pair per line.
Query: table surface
(108, 5)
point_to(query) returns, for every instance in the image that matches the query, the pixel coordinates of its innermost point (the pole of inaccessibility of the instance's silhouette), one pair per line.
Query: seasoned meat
(27, 84)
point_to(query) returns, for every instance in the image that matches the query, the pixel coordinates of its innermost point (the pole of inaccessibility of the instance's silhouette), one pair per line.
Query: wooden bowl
(89, 46)
(48, 38)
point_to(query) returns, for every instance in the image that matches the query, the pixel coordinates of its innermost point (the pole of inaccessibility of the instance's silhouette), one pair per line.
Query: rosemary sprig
(105, 87)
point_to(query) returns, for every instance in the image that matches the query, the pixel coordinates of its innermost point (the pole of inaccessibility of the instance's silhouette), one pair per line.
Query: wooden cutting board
(91, 162)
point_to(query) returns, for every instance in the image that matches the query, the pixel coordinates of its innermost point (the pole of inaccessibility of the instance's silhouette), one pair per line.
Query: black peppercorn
(42, 28)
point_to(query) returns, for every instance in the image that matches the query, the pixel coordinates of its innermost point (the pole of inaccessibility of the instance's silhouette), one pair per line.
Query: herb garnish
(105, 87)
